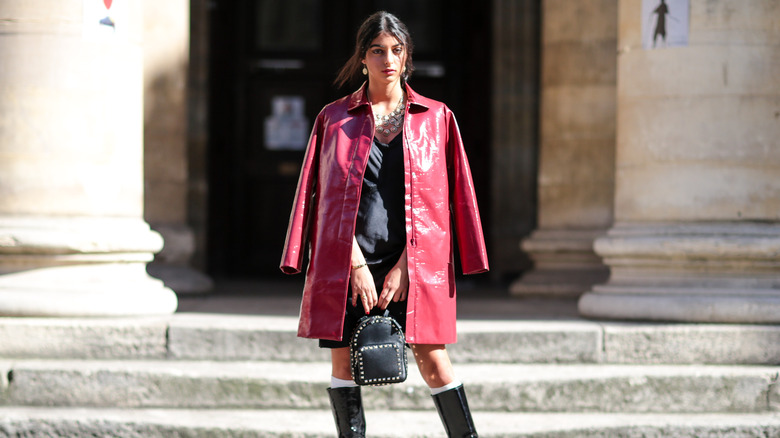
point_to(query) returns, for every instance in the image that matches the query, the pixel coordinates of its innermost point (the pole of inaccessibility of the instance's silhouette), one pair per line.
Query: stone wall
(697, 201)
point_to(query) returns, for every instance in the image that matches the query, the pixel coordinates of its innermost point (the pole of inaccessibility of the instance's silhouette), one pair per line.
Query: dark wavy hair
(377, 23)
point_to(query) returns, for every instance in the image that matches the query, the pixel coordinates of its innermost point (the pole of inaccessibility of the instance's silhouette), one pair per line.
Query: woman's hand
(363, 288)
(396, 284)
(361, 280)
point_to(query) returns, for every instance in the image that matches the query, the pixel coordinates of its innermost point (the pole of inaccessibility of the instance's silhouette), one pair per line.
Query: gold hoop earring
(365, 71)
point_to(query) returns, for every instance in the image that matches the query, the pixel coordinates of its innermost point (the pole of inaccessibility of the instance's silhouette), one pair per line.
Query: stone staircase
(208, 375)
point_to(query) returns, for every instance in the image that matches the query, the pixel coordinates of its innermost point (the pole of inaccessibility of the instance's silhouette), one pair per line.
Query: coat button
(413, 242)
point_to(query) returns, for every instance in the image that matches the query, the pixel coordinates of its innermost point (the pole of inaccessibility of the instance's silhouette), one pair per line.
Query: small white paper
(286, 127)
(665, 23)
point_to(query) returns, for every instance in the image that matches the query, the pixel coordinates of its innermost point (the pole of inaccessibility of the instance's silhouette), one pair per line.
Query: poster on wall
(665, 23)
(104, 20)
(286, 127)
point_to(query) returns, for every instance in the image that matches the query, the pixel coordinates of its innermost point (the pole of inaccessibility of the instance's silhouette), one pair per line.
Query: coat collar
(360, 98)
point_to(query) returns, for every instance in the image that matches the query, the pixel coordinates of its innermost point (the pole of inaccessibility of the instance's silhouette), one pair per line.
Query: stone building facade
(646, 181)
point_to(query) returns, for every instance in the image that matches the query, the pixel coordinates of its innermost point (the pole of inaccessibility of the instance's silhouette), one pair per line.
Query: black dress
(380, 229)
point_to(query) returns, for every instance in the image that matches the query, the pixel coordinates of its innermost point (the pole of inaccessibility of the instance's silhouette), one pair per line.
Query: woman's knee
(434, 364)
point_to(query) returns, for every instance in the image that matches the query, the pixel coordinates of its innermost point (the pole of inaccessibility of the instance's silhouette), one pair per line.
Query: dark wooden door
(272, 67)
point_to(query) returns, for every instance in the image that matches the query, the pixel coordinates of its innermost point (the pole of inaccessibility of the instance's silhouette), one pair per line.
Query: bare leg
(434, 364)
(339, 358)
(436, 369)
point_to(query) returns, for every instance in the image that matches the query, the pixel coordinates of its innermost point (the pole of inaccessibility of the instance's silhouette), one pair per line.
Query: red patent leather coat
(439, 196)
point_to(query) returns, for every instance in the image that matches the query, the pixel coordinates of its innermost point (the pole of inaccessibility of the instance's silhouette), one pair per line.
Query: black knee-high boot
(347, 407)
(455, 414)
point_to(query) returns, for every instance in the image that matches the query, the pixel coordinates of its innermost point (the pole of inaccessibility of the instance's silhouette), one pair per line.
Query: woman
(384, 180)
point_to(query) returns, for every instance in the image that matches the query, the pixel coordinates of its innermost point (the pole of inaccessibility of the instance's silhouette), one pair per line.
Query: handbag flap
(377, 329)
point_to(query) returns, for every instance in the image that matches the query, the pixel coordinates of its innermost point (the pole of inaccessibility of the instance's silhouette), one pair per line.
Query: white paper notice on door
(286, 128)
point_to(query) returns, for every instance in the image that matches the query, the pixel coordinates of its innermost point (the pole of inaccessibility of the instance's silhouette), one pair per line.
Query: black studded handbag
(378, 351)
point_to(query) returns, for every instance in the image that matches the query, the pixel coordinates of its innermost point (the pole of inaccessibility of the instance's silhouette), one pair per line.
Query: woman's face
(385, 59)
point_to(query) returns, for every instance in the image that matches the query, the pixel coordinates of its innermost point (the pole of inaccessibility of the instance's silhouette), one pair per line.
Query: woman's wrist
(359, 265)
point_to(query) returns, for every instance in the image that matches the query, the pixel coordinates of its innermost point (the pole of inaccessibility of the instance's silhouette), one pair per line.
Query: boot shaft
(347, 405)
(455, 413)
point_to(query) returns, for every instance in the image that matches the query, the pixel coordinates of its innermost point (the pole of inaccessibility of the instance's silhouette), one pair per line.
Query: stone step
(491, 387)
(193, 336)
(163, 423)
(254, 338)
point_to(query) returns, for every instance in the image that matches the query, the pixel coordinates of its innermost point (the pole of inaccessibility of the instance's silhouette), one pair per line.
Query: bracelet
(359, 266)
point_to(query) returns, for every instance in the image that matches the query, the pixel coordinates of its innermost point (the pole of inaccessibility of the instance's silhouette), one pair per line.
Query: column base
(85, 291)
(184, 280)
(614, 303)
(564, 264)
(79, 267)
(695, 272)
(172, 264)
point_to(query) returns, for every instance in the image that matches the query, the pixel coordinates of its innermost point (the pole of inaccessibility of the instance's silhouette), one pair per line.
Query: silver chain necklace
(390, 123)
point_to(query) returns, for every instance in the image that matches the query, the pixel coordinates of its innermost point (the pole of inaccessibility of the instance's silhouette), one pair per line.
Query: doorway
(272, 67)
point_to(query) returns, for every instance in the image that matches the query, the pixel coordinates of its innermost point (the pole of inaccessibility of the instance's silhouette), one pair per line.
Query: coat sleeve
(463, 203)
(303, 204)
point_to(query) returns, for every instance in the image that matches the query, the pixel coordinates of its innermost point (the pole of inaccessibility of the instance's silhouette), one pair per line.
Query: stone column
(577, 144)
(73, 241)
(166, 64)
(697, 202)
